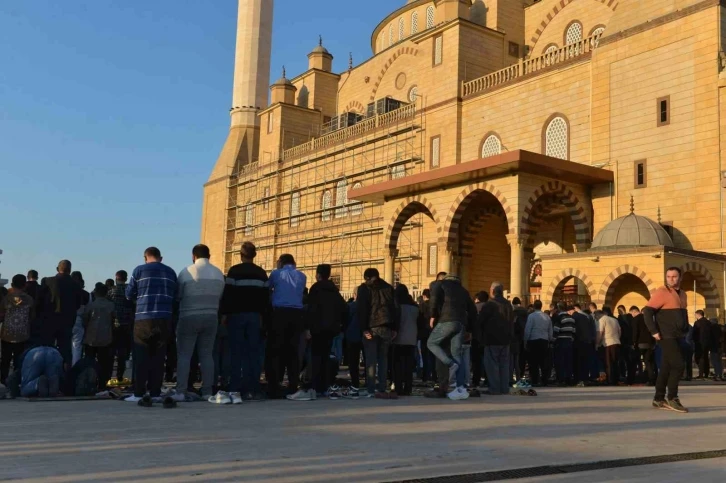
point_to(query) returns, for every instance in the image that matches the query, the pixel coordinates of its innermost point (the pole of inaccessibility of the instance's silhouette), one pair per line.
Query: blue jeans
(337, 348)
(41, 361)
(496, 362)
(244, 346)
(563, 360)
(466, 362)
(442, 332)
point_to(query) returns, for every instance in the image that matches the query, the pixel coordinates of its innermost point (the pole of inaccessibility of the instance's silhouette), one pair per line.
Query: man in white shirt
(608, 334)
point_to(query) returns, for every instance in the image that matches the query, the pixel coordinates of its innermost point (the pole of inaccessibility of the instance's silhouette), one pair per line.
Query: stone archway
(563, 277)
(406, 209)
(550, 194)
(617, 276)
(705, 282)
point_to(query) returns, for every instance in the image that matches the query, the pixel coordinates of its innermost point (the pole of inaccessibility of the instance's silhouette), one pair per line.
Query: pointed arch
(401, 51)
(706, 282)
(549, 16)
(462, 202)
(474, 226)
(567, 274)
(406, 209)
(566, 197)
(608, 286)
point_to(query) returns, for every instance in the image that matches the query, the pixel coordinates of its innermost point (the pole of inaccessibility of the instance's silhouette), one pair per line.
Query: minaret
(251, 85)
(249, 96)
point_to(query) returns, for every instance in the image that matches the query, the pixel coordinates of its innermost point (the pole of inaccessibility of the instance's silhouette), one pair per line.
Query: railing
(530, 66)
(405, 112)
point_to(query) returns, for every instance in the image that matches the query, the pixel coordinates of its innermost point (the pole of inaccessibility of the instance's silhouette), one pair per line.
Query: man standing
(424, 330)
(378, 319)
(584, 344)
(644, 344)
(200, 288)
(608, 334)
(669, 304)
(287, 285)
(123, 335)
(31, 286)
(537, 336)
(326, 312)
(58, 301)
(17, 312)
(496, 320)
(702, 339)
(245, 310)
(564, 330)
(153, 286)
(518, 359)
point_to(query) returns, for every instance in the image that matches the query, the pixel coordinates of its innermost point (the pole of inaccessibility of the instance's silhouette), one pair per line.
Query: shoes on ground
(475, 393)
(458, 394)
(169, 402)
(253, 397)
(303, 395)
(146, 402)
(675, 405)
(351, 393)
(235, 397)
(132, 399)
(334, 392)
(220, 398)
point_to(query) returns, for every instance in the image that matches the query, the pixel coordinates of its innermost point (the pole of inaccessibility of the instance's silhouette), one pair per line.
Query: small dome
(320, 50)
(282, 81)
(631, 231)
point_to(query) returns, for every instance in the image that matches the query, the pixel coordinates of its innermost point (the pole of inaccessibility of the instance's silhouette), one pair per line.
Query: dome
(320, 50)
(631, 231)
(282, 81)
(631, 13)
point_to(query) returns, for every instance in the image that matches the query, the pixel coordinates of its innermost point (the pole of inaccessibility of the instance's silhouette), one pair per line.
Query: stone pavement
(365, 440)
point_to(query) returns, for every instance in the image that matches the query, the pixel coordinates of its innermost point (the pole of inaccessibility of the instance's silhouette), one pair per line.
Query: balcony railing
(369, 124)
(530, 66)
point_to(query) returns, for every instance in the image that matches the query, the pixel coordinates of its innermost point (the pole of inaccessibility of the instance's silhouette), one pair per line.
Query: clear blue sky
(112, 114)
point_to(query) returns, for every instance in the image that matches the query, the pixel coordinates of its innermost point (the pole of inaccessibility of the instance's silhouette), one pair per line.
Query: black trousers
(584, 352)
(320, 346)
(704, 362)
(648, 356)
(403, 361)
(671, 369)
(171, 353)
(104, 359)
(352, 356)
(537, 356)
(59, 333)
(283, 345)
(477, 353)
(11, 352)
(150, 341)
(522, 360)
(123, 339)
(612, 361)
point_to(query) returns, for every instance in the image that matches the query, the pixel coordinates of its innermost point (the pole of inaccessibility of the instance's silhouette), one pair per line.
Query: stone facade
(523, 129)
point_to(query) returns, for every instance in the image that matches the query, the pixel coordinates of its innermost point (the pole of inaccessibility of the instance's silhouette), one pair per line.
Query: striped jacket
(153, 286)
(200, 288)
(564, 327)
(246, 289)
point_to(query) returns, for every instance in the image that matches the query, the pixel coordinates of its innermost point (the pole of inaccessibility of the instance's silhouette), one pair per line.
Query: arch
(597, 32)
(303, 96)
(414, 23)
(565, 196)
(406, 209)
(413, 94)
(462, 202)
(401, 51)
(390, 35)
(295, 208)
(549, 16)
(401, 29)
(608, 287)
(552, 47)
(573, 33)
(327, 201)
(430, 16)
(555, 133)
(474, 226)
(491, 145)
(341, 198)
(355, 106)
(564, 276)
(706, 281)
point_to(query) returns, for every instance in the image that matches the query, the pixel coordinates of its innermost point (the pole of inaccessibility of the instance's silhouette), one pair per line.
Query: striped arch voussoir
(707, 283)
(608, 287)
(567, 274)
(613, 4)
(408, 208)
(474, 226)
(399, 52)
(462, 202)
(530, 219)
(355, 106)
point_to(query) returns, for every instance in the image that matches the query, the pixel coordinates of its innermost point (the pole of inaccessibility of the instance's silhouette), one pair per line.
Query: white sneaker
(220, 398)
(235, 397)
(133, 399)
(452, 375)
(458, 394)
(302, 395)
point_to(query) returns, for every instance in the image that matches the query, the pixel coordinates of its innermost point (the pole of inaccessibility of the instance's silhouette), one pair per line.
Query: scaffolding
(295, 201)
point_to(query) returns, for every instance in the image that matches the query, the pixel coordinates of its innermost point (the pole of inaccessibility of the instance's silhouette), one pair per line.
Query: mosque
(571, 149)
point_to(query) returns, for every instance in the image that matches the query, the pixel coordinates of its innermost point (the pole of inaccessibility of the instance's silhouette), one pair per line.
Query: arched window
(557, 142)
(295, 209)
(302, 97)
(413, 94)
(398, 171)
(249, 219)
(341, 198)
(414, 23)
(491, 146)
(327, 201)
(550, 48)
(401, 29)
(574, 33)
(430, 17)
(390, 35)
(357, 208)
(596, 35)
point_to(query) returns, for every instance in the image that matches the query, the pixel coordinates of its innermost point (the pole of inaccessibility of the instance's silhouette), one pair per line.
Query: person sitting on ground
(404, 344)
(39, 373)
(98, 322)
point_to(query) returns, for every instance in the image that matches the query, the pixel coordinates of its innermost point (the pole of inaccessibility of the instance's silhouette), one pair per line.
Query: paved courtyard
(365, 440)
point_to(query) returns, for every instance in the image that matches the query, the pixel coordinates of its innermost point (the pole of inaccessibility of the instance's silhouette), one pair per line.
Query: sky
(113, 113)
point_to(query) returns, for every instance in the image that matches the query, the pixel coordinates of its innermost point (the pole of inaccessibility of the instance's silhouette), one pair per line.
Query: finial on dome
(350, 60)
(283, 72)
(632, 204)
(320, 40)
(659, 219)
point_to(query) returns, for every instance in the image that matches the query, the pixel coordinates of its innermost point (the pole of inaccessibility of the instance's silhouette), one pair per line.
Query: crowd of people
(227, 329)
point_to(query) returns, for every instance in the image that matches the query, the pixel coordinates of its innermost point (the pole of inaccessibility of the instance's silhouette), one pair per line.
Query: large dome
(631, 231)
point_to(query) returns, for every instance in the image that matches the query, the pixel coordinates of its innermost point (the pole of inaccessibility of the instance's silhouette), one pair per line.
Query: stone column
(516, 243)
(389, 266)
(445, 259)
(526, 270)
(464, 271)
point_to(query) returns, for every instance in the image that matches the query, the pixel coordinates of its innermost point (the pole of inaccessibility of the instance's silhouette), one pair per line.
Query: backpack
(16, 327)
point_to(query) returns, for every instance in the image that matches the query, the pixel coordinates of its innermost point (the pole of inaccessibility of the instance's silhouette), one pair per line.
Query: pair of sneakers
(671, 405)
(458, 394)
(224, 397)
